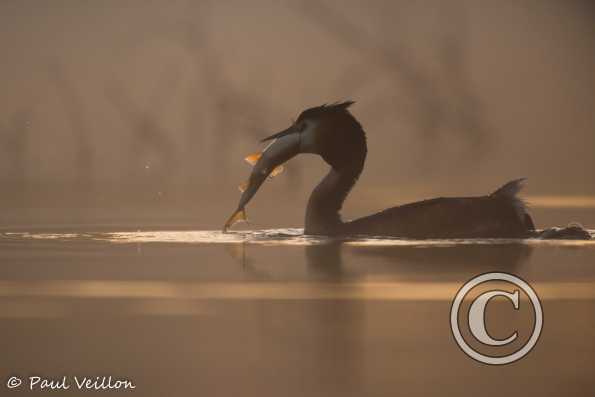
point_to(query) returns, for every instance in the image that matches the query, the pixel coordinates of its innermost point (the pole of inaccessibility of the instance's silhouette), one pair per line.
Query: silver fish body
(278, 152)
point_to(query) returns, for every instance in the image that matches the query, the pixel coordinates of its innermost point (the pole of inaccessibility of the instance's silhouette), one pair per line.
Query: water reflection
(340, 324)
(272, 265)
(325, 260)
(439, 262)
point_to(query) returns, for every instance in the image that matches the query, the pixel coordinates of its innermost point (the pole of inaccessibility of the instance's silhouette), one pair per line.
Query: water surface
(274, 312)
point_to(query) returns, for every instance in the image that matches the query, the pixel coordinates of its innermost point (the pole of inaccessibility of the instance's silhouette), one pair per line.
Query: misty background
(141, 112)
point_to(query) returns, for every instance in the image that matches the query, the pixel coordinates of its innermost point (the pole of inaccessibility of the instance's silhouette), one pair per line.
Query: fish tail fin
(237, 216)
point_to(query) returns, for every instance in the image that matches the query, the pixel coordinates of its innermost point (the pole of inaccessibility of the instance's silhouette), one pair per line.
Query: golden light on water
(235, 241)
(389, 291)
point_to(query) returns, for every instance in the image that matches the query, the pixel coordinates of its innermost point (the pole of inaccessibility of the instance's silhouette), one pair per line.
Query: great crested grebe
(333, 133)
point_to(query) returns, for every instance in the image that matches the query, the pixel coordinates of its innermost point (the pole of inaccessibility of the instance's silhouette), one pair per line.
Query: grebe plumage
(334, 134)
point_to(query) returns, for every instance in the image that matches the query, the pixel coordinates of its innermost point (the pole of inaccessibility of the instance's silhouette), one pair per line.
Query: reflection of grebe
(332, 132)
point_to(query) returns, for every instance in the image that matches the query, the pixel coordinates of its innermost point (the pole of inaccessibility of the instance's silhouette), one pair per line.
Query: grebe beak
(290, 130)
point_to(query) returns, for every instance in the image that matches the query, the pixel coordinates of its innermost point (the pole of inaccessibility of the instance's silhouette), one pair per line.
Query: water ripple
(276, 237)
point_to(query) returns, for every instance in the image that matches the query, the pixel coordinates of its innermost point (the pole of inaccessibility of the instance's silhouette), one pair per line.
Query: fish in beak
(268, 163)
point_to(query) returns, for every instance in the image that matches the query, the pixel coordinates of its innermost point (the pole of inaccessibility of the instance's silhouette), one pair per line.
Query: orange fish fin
(238, 216)
(243, 186)
(253, 158)
(276, 171)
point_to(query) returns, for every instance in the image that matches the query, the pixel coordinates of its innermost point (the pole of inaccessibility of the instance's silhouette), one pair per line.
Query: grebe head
(330, 131)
